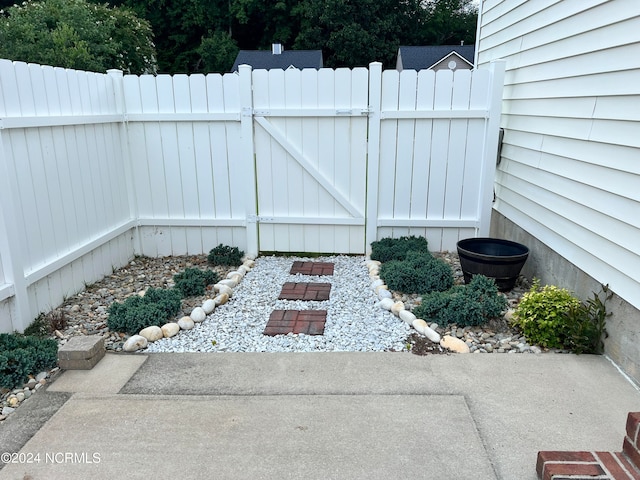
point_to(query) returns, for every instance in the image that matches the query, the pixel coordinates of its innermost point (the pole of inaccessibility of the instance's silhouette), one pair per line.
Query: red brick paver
(312, 268)
(310, 322)
(305, 291)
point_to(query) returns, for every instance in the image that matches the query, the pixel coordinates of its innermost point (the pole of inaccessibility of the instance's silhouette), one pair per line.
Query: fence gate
(310, 134)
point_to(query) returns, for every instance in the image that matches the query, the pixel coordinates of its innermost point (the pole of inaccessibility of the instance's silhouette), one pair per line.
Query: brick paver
(305, 291)
(310, 322)
(312, 268)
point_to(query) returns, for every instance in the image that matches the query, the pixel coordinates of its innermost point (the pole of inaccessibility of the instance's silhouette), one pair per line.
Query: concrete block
(81, 353)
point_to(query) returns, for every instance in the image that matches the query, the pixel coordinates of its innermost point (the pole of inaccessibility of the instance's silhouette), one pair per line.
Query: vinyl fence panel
(97, 167)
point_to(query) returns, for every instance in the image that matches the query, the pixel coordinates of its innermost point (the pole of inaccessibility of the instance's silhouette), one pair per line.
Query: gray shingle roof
(420, 58)
(264, 59)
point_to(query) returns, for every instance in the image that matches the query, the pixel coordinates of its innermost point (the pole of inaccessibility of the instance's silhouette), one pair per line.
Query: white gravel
(354, 322)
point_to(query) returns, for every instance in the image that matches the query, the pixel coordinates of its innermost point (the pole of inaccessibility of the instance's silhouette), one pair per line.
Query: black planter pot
(496, 258)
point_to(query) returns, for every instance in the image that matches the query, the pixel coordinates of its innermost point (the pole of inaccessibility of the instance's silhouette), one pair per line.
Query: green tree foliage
(355, 33)
(449, 22)
(77, 34)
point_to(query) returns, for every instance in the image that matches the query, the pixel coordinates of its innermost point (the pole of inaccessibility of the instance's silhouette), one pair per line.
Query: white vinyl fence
(95, 168)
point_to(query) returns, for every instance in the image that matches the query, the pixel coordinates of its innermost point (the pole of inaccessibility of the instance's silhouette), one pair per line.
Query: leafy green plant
(543, 312)
(417, 273)
(225, 255)
(586, 324)
(464, 305)
(24, 355)
(193, 281)
(136, 312)
(388, 249)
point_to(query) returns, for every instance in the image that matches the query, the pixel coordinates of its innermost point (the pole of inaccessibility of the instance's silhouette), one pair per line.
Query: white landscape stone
(249, 263)
(198, 315)
(228, 282)
(152, 333)
(422, 327)
(244, 269)
(377, 283)
(397, 308)
(208, 306)
(186, 323)
(221, 288)
(382, 294)
(454, 344)
(135, 342)
(406, 316)
(386, 303)
(170, 329)
(221, 299)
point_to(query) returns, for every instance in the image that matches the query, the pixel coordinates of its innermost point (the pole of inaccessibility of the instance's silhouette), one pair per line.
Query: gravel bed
(354, 322)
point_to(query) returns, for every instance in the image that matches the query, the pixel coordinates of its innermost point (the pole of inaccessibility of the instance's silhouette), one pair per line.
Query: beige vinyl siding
(570, 166)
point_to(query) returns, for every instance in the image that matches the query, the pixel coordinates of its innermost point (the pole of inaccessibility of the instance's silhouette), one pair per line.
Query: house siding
(570, 168)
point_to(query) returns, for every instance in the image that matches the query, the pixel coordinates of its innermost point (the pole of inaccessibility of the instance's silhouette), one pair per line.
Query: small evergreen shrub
(388, 249)
(24, 355)
(225, 255)
(193, 281)
(542, 314)
(136, 313)
(465, 305)
(417, 273)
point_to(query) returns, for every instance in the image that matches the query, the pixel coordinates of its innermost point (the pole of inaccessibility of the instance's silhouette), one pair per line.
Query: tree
(357, 32)
(76, 34)
(179, 27)
(449, 22)
(217, 52)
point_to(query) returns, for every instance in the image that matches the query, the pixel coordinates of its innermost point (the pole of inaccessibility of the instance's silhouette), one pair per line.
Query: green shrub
(542, 314)
(417, 273)
(44, 352)
(225, 255)
(193, 281)
(464, 305)
(136, 312)
(388, 249)
(586, 324)
(554, 318)
(23, 355)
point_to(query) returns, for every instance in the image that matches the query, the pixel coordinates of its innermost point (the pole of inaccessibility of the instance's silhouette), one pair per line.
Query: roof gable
(265, 59)
(424, 57)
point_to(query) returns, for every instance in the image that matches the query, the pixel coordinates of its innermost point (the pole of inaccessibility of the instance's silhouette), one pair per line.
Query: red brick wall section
(623, 465)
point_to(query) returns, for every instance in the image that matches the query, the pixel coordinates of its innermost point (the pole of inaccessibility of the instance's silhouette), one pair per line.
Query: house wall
(567, 183)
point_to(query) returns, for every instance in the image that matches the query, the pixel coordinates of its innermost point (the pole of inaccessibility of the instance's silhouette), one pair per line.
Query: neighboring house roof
(267, 59)
(422, 58)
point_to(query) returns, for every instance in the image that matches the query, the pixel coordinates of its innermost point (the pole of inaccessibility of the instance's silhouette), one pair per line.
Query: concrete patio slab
(248, 437)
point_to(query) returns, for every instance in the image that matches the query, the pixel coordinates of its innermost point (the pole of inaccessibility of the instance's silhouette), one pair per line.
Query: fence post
(373, 154)
(10, 250)
(490, 152)
(248, 157)
(121, 106)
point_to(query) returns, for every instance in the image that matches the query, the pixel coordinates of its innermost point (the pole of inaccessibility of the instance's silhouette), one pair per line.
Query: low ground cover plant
(193, 281)
(225, 255)
(418, 272)
(553, 317)
(465, 305)
(22, 355)
(156, 307)
(388, 249)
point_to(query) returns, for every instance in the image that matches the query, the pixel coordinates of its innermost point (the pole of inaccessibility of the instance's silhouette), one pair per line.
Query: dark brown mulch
(421, 345)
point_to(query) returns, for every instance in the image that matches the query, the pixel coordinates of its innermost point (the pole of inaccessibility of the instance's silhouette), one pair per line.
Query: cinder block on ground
(81, 353)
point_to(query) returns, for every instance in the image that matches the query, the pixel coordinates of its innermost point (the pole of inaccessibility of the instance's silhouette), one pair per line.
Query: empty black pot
(496, 258)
